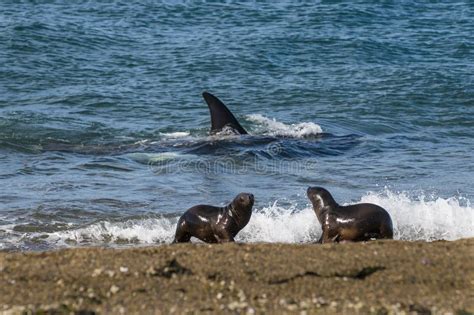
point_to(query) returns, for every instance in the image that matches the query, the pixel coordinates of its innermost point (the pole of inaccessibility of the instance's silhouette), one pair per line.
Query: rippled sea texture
(103, 131)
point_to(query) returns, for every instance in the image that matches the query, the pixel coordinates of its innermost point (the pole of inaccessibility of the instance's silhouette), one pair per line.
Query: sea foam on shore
(420, 218)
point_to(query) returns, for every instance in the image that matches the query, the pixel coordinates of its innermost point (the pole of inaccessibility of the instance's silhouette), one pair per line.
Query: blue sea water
(104, 133)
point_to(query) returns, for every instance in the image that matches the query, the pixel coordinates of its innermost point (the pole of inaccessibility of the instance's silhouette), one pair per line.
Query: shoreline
(378, 277)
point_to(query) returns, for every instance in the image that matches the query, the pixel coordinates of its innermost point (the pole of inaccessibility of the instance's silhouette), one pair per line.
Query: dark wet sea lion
(359, 222)
(215, 224)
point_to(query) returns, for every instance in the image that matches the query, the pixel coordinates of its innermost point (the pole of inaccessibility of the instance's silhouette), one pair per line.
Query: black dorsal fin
(221, 115)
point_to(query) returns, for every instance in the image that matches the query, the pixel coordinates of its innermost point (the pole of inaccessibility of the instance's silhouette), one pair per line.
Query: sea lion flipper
(225, 237)
(221, 116)
(181, 234)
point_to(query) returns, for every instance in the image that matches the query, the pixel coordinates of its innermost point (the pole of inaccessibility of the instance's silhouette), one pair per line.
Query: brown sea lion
(215, 224)
(355, 223)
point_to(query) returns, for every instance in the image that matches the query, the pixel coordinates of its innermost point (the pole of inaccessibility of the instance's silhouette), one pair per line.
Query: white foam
(264, 125)
(158, 160)
(272, 127)
(422, 219)
(414, 219)
(147, 158)
(145, 231)
(175, 135)
(225, 132)
(269, 224)
(278, 224)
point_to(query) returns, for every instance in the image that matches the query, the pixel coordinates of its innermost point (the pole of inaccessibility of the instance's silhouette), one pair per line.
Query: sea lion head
(243, 201)
(241, 208)
(320, 198)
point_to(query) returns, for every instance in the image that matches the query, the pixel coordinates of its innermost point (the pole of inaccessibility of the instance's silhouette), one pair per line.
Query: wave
(100, 139)
(262, 126)
(175, 135)
(414, 219)
(272, 127)
(146, 231)
(277, 224)
(426, 218)
(154, 158)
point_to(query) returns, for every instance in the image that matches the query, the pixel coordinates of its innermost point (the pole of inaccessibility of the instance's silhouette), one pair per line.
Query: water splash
(423, 218)
(272, 127)
(175, 135)
(414, 218)
(146, 231)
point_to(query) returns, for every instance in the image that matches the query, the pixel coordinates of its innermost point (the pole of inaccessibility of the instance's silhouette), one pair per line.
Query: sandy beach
(380, 277)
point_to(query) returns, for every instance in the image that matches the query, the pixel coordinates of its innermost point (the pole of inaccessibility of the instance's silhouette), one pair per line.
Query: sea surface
(104, 134)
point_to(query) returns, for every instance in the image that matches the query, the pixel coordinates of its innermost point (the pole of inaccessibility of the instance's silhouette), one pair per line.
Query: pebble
(97, 272)
(292, 307)
(110, 273)
(123, 269)
(114, 289)
(236, 305)
(151, 271)
(304, 305)
(241, 296)
(319, 301)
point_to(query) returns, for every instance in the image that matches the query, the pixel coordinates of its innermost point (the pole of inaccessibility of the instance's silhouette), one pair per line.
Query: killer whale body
(221, 119)
(221, 116)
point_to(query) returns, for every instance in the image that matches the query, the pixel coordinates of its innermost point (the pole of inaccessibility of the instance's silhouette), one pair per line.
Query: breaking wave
(418, 218)
(272, 127)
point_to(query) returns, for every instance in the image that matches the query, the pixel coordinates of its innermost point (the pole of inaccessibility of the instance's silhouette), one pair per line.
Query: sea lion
(355, 223)
(215, 224)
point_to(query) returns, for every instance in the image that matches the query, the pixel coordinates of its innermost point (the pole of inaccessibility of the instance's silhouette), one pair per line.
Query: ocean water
(104, 134)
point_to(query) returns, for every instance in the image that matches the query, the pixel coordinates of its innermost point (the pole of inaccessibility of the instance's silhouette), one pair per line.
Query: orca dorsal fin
(221, 115)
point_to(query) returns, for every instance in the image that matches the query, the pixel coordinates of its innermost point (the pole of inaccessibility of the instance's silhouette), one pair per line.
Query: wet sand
(380, 277)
